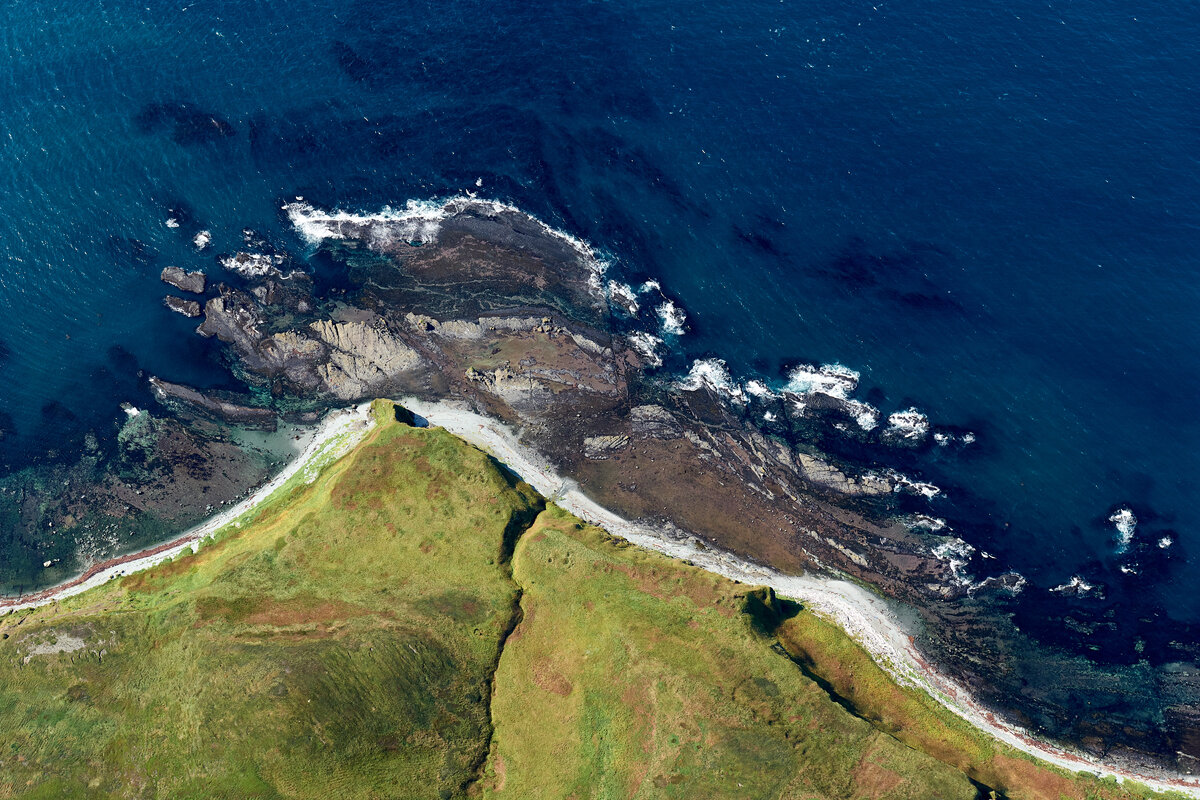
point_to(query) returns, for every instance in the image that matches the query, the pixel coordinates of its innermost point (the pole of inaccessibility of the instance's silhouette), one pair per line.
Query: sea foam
(1126, 525)
(829, 379)
(623, 295)
(957, 554)
(419, 222)
(671, 317)
(910, 425)
(647, 345)
(1078, 587)
(713, 373)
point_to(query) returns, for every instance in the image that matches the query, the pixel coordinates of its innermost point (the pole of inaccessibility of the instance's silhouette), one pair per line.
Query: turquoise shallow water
(992, 213)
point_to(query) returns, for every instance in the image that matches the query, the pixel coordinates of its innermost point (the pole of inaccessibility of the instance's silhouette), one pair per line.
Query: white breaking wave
(1165, 542)
(713, 373)
(931, 524)
(910, 424)
(957, 554)
(419, 222)
(906, 484)
(253, 265)
(650, 286)
(672, 318)
(202, 239)
(829, 379)
(759, 389)
(647, 344)
(1077, 586)
(623, 295)
(865, 414)
(172, 222)
(1126, 524)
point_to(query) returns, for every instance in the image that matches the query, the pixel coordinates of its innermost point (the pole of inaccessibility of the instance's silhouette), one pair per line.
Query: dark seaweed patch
(351, 63)
(187, 124)
(129, 252)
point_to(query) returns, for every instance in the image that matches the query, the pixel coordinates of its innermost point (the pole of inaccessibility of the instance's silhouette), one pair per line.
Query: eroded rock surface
(183, 280)
(487, 308)
(189, 308)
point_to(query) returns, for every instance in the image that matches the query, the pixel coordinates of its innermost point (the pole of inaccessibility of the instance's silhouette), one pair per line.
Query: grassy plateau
(417, 623)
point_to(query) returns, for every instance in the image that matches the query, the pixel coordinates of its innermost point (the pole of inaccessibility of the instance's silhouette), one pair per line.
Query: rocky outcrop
(233, 317)
(189, 308)
(655, 422)
(601, 447)
(825, 474)
(491, 312)
(364, 360)
(193, 282)
(212, 405)
(518, 390)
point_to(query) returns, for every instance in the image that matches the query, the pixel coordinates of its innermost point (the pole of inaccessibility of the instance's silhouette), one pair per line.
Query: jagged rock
(233, 318)
(421, 322)
(460, 329)
(189, 308)
(829, 476)
(519, 390)
(262, 418)
(655, 422)
(1011, 582)
(363, 358)
(600, 447)
(184, 281)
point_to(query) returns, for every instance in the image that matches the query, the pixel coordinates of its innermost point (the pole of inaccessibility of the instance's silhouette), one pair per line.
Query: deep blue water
(992, 211)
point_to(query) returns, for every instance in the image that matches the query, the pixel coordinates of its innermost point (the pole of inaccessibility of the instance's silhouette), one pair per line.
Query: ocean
(989, 212)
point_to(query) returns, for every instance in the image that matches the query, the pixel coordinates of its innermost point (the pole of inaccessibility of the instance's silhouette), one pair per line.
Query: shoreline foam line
(866, 617)
(326, 442)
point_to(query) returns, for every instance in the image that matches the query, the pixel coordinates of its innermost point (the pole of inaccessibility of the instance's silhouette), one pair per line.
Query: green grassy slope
(632, 675)
(397, 629)
(341, 646)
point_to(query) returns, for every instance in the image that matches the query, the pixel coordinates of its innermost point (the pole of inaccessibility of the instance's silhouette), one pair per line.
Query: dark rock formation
(184, 281)
(213, 405)
(189, 308)
(501, 313)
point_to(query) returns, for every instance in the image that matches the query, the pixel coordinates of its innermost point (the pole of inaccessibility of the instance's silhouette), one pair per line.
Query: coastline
(864, 616)
(324, 442)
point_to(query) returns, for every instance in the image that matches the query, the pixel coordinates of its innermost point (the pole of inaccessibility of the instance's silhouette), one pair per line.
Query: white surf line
(336, 434)
(865, 616)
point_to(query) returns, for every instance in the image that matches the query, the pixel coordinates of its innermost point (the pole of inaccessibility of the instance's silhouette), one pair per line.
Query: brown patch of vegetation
(550, 679)
(872, 779)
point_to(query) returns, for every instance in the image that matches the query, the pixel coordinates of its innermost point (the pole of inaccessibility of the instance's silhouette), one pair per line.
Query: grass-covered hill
(417, 624)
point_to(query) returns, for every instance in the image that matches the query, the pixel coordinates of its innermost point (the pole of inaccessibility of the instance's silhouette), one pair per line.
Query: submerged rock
(210, 403)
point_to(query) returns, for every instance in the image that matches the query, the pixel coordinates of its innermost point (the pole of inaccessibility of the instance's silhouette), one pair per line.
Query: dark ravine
(496, 311)
(521, 521)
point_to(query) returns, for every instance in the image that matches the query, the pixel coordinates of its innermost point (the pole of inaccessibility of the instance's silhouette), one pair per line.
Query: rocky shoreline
(482, 305)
